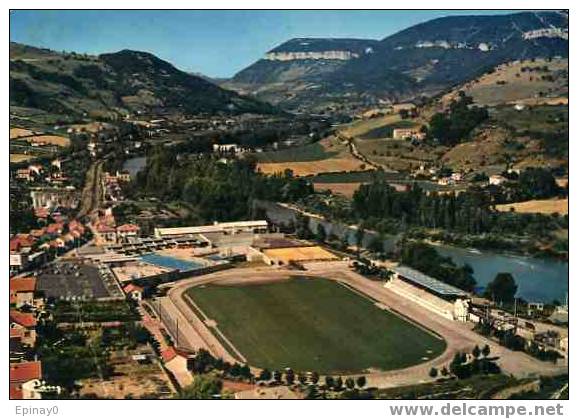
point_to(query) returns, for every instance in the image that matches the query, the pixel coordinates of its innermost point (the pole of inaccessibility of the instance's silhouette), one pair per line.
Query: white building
(256, 227)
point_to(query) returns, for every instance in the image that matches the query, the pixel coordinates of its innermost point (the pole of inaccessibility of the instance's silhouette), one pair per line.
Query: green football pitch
(314, 324)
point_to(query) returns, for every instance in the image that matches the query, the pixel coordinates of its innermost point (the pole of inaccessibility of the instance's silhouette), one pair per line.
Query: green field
(314, 324)
(309, 152)
(386, 131)
(354, 177)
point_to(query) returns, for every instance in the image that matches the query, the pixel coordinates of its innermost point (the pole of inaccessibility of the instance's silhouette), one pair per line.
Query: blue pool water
(170, 262)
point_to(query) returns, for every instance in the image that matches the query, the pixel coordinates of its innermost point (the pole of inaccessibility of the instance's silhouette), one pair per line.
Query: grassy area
(477, 387)
(542, 206)
(93, 311)
(537, 118)
(309, 152)
(354, 177)
(386, 131)
(314, 324)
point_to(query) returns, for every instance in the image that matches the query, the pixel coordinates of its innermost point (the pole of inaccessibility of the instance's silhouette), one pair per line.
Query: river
(134, 165)
(539, 280)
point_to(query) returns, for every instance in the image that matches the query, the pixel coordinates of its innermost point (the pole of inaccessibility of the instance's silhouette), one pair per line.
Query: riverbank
(539, 279)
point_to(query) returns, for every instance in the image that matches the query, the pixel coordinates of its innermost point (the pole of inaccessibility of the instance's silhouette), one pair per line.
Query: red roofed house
(24, 323)
(22, 291)
(106, 232)
(24, 378)
(134, 291)
(20, 248)
(127, 230)
(55, 228)
(177, 361)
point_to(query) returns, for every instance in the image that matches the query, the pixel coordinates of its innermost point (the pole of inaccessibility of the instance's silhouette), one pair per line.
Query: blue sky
(216, 43)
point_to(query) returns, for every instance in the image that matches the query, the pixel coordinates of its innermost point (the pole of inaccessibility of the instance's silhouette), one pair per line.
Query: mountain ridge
(120, 82)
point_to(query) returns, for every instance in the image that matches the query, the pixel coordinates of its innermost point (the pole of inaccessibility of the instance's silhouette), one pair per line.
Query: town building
(23, 324)
(22, 292)
(259, 226)
(127, 230)
(496, 180)
(23, 379)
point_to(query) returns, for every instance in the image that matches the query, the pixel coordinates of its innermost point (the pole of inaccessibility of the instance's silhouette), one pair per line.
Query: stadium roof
(423, 280)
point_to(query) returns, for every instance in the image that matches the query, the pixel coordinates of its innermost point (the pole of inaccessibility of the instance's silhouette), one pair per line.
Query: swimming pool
(170, 262)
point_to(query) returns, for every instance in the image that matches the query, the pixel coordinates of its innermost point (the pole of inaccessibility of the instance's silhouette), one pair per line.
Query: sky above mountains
(215, 43)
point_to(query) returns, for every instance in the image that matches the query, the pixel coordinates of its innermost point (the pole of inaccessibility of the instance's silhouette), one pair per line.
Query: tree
(359, 235)
(203, 387)
(314, 377)
(486, 351)
(503, 288)
(350, 383)
(265, 375)
(476, 352)
(289, 376)
(361, 381)
(376, 244)
(321, 235)
(277, 376)
(433, 373)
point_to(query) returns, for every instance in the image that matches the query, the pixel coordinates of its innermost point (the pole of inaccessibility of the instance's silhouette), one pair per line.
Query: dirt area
(306, 168)
(130, 380)
(299, 254)
(542, 206)
(562, 182)
(17, 158)
(49, 139)
(346, 189)
(20, 132)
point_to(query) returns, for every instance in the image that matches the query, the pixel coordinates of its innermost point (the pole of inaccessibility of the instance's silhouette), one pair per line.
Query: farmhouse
(408, 133)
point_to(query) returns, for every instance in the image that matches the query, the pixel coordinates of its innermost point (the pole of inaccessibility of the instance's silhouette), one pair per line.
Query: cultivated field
(17, 158)
(307, 168)
(38, 138)
(328, 155)
(346, 189)
(314, 324)
(543, 206)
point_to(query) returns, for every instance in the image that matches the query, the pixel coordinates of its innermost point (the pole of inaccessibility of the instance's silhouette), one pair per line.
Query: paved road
(459, 336)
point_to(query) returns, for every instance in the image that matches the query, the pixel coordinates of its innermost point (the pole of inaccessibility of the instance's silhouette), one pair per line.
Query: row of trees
(465, 365)
(218, 191)
(380, 206)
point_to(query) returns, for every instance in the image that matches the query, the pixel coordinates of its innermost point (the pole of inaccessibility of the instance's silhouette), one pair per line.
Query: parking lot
(77, 281)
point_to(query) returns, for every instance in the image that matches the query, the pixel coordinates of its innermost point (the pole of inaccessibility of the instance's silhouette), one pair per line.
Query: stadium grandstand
(438, 297)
